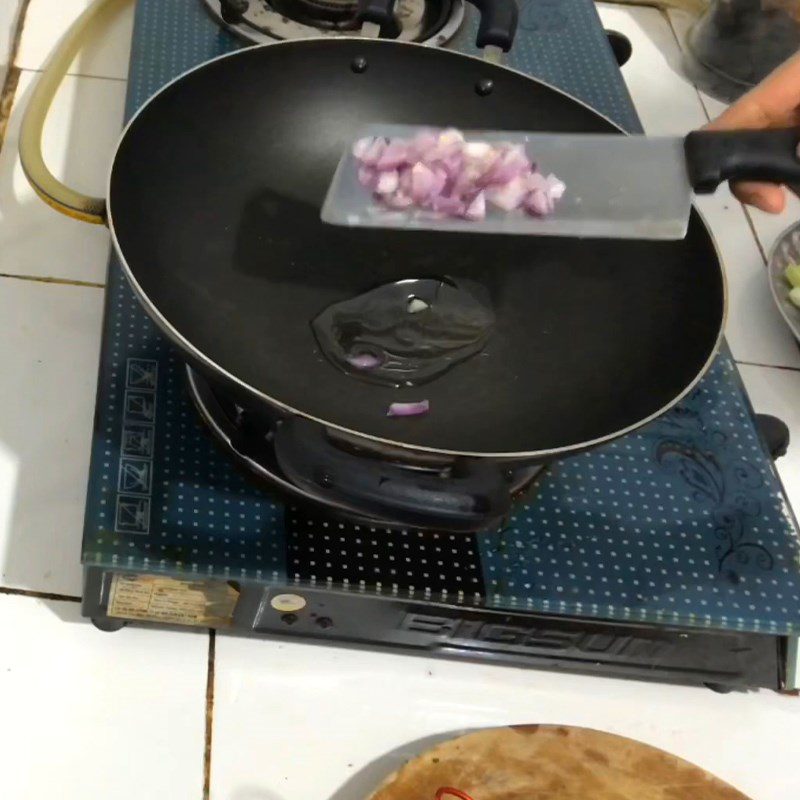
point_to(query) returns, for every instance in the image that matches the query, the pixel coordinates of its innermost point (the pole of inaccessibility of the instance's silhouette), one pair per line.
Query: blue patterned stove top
(684, 522)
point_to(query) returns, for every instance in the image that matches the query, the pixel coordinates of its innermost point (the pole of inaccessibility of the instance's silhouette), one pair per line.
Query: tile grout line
(212, 650)
(8, 90)
(59, 281)
(766, 366)
(752, 227)
(745, 209)
(67, 598)
(40, 70)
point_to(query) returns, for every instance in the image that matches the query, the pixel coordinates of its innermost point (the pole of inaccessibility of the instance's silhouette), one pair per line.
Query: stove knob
(288, 603)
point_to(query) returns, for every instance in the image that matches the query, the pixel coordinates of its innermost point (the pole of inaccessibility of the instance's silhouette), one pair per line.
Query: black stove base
(720, 660)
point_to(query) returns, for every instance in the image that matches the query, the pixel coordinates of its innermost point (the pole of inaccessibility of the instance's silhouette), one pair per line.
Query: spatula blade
(622, 187)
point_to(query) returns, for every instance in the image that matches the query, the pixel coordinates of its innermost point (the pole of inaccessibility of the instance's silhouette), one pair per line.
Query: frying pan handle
(498, 23)
(55, 193)
(478, 497)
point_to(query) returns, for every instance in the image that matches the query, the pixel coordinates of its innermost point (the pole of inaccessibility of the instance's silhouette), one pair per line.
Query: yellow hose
(55, 193)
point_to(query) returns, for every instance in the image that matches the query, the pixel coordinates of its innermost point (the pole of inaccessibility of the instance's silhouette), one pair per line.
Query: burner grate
(432, 22)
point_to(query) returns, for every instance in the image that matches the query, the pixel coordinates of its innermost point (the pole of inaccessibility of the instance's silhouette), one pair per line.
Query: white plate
(785, 251)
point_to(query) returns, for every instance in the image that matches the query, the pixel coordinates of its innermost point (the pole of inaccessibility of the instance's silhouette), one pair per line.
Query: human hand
(774, 103)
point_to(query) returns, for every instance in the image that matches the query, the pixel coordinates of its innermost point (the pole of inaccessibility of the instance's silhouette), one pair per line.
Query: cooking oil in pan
(408, 332)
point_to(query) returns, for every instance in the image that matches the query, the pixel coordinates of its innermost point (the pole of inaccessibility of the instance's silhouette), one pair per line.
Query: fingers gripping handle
(745, 155)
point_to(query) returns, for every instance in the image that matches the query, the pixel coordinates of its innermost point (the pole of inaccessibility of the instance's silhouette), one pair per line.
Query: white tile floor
(105, 57)
(350, 708)
(50, 345)
(9, 11)
(80, 136)
(90, 715)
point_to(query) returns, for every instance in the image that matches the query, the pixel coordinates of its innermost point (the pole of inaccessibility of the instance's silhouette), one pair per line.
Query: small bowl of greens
(784, 276)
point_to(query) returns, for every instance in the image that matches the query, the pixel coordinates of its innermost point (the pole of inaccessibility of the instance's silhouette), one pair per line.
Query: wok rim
(184, 344)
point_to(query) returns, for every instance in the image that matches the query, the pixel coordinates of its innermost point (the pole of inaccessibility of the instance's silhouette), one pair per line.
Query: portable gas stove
(670, 554)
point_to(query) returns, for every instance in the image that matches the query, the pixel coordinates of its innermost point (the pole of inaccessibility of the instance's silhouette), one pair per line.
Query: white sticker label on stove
(160, 598)
(133, 515)
(142, 373)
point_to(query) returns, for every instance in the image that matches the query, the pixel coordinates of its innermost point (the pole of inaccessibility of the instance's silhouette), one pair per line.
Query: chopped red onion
(387, 182)
(368, 151)
(394, 155)
(477, 208)
(423, 182)
(364, 361)
(441, 173)
(451, 206)
(478, 150)
(509, 165)
(536, 181)
(399, 200)
(408, 409)
(556, 188)
(451, 136)
(538, 203)
(509, 194)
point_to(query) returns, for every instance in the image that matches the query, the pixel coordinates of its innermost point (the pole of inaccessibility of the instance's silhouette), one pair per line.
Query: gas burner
(432, 22)
(321, 12)
(384, 485)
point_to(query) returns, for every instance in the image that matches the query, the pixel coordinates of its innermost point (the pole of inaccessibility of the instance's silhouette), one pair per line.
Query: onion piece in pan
(364, 361)
(408, 409)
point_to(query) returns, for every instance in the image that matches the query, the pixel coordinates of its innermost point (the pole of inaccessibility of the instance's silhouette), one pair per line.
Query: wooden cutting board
(551, 762)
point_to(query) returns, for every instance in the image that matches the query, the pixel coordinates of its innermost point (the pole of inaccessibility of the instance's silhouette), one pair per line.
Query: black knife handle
(766, 155)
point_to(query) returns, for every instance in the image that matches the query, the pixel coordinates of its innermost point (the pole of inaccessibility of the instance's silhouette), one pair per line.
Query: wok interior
(215, 198)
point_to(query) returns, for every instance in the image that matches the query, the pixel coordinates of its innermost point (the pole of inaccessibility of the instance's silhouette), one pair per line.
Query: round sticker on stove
(288, 602)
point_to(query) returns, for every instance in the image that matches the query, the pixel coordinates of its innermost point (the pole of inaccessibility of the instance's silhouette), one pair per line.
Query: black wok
(213, 203)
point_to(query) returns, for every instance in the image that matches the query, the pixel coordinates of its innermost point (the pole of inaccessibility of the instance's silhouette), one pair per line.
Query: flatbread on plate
(552, 762)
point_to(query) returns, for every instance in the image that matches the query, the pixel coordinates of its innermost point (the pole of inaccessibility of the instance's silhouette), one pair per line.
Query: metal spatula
(629, 187)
